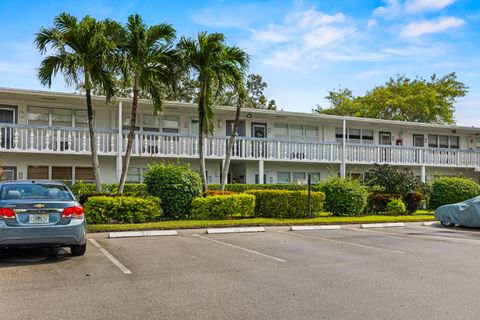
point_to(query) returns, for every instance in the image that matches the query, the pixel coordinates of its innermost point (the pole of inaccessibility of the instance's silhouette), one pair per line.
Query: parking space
(412, 272)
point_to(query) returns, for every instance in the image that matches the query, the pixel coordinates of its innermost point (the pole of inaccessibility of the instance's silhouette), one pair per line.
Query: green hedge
(344, 197)
(134, 189)
(240, 187)
(396, 207)
(104, 209)
(286, 204)
(223, 206)
(452, 190)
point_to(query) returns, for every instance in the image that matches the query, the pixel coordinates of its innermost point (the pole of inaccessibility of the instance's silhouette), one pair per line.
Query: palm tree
(82, 52)
(147, 65)
(217, 67)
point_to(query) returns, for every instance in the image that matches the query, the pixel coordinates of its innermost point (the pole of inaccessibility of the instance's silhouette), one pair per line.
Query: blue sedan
(41, 213)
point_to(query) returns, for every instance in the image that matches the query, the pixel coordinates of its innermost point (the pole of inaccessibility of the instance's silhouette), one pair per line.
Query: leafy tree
(393, 180)
(83, 52)
(217, 67)
(146, 61)
(401, 98)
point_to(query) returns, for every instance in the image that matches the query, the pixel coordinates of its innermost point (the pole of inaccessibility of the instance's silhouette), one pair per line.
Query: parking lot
(413, 272)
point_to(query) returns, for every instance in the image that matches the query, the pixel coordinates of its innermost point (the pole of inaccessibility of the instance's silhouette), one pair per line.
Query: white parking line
(241, 248)
(110, 257)
(339, 241)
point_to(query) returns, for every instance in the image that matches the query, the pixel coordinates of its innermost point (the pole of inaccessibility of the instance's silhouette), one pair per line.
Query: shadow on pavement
(12, 257)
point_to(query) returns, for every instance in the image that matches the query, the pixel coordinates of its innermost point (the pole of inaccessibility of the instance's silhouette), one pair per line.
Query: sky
(302, 49)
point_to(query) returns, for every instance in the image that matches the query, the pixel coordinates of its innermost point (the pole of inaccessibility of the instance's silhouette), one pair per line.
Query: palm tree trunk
(230, 145)
(131, 134)
(201, 138)
(93, 143)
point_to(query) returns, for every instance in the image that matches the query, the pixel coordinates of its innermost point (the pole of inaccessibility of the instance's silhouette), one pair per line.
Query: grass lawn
(324, 218)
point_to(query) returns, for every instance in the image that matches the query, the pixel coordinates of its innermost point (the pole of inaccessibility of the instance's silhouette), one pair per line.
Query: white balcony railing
(63, 140)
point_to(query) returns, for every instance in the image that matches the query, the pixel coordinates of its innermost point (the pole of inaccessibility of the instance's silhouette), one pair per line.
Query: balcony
(62, 140)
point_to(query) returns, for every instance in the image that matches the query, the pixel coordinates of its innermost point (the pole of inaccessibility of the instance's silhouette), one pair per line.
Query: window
(61, 117)
(37, 172)
(296, 176)
(194, 129)
(281, 130)
(354, 135)
(339, 134)
(432, 141)
(81, 119)
(367, 136)
(62, 173)
(443, 141)
(311, 132)
(454, 142)
(283, 177)
(150, 123)
(134, 175)
(315, 177)
(35, 191)
(38, 116)
(296, 132)
(84, 174)
(170, 124)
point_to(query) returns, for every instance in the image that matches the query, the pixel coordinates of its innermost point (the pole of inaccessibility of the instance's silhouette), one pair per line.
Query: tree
(217, 67)
(401, 98)
(83, 51)
(147, 60)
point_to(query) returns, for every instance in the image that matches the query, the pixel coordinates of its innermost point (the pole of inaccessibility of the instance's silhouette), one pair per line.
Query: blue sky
(301, 48)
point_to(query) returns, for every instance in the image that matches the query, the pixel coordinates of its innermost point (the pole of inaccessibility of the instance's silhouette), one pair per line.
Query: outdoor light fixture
(249, 115)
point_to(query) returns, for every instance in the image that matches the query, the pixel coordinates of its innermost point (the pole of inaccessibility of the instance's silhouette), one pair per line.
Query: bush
(104, 209)
(83, 197)
(452, 190)
(392, 179)
(240, 187)
(396, 207)
(286, 204)
(377, 202)
(217, 193)
(344, 197)
(223, 206)
(134, 189)
(413, 201)
(176, 185)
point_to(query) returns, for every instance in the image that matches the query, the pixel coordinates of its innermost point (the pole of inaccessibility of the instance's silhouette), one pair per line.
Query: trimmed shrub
(134, 189)
(452, 190)
(286, 204)
(223, 206)
(176, 185)
(83, 197)
(240, 187)
(344, 197)
(217, 193)
(413, 201)
(396, 207)
(392, 179)
(104, 209)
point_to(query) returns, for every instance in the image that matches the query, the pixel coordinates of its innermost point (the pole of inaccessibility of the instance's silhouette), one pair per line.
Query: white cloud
(371, 23)
(416, 29)
(269, 36)
(396, 9)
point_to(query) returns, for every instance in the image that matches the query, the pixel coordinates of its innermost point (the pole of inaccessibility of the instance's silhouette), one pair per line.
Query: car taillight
(7, 213)
(75, 212)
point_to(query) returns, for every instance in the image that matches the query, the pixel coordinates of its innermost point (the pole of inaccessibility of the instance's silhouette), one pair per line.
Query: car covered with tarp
(466, 213)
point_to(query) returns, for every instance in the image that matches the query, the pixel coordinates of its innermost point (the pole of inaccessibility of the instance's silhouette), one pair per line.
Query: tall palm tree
(82, 52)
(217, 67)
(147, 65)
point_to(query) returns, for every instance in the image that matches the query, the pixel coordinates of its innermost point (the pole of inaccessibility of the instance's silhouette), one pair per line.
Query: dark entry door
(7, 115)
(259, 131)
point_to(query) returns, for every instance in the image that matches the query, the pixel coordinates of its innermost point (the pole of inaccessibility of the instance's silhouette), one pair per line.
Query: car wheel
(447, 224)
(78, 250)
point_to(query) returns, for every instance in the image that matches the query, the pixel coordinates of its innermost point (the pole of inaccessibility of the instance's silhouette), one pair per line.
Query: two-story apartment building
(43, 135)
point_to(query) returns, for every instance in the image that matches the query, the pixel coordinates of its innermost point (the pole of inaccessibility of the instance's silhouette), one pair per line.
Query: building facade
(44, 135)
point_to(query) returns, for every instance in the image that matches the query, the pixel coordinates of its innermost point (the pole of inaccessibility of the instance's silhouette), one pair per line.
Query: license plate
(38, 218)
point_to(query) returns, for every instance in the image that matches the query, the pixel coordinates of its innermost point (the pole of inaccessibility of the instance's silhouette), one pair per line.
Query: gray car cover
(466, 213)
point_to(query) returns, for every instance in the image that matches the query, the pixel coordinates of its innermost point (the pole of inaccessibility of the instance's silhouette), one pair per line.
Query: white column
(260, 172)
(344, 149)
(423, 175)
(119, 142)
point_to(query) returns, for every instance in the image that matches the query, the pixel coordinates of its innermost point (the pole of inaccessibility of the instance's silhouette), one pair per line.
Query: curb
(313, 228)
(235, 230)
(429, 223)
(382, 225)
(147, 233)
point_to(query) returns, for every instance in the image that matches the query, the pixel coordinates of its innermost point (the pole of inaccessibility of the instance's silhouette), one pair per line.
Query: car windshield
(35, 191)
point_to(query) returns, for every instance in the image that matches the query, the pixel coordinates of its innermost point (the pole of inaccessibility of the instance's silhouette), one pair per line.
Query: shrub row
(286, 204)
(124, 209)
(245, 187)
(134, 189)
(223, 206)
(452, 190)
(378, 202)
